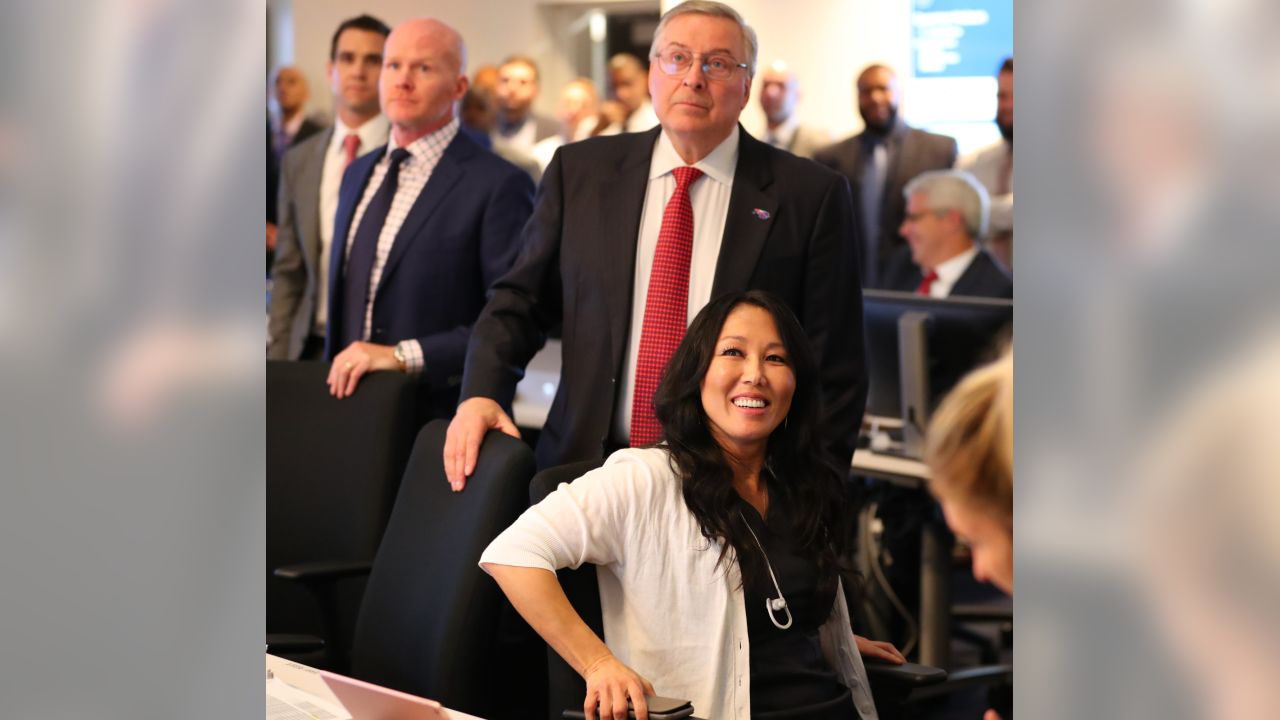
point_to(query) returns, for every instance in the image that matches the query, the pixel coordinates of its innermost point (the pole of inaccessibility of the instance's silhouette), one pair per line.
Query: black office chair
(429, 622)
(891, 685)
(333, 467)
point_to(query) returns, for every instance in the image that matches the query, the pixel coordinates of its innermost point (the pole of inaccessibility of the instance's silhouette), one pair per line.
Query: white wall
(826, 41)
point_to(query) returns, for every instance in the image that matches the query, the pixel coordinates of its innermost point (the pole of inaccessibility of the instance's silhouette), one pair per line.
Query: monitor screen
(961, 333)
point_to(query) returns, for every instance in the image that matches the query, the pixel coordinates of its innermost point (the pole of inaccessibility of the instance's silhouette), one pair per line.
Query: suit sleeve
(288, 271)
(523, 305)
(833, 318)
(498, 244)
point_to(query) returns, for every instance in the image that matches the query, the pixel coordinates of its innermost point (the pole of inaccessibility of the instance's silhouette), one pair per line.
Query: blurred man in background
(993, 167)
(879, 162)
(312, 173)
(779, 95)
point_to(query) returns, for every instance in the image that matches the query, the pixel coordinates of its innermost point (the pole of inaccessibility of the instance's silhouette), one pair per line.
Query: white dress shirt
(986, 164)
(415, 171)
(372, 134)
(670, 612)
(709, 196)
(949, 271)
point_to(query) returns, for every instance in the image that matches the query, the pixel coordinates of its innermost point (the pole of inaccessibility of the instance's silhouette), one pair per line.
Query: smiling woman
(737, 516)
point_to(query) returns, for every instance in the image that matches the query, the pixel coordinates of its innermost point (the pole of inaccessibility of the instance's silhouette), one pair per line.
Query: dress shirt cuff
(412, 352)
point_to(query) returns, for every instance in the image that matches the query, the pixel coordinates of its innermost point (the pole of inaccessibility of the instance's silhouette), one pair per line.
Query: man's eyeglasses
(918, 216)
(677, 61)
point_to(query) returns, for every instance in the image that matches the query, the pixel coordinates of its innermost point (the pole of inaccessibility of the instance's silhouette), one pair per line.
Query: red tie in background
(351, 144)
(926, 283)
(666, 308)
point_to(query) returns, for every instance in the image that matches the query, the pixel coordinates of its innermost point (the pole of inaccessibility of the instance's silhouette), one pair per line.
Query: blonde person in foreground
(969, 451)
(718, 549)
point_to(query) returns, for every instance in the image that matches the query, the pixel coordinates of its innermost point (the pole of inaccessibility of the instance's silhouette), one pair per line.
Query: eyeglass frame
(703, 66)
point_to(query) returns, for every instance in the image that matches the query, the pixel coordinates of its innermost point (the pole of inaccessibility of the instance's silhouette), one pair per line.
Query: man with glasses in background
(634, 233)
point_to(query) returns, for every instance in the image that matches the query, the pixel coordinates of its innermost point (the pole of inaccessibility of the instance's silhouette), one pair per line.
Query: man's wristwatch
(398, 353)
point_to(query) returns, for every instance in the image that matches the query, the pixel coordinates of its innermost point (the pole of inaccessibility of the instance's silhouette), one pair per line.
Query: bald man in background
(779, 95)
(286, 127)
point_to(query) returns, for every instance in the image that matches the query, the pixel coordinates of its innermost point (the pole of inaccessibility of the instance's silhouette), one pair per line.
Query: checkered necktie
(666, 308)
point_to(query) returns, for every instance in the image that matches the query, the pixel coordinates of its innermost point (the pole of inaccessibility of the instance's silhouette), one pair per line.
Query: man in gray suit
(879, 162)
(779, 95)
(310, 177)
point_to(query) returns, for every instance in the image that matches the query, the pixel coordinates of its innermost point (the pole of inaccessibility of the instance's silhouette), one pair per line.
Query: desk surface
(898, 470)
(308, 680)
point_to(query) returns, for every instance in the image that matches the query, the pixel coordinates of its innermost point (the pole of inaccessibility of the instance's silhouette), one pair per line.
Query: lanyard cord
(770, 604)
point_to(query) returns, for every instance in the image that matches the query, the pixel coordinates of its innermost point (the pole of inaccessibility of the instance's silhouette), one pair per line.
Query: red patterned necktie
(666, 308)
(926, 283)
(351, 144)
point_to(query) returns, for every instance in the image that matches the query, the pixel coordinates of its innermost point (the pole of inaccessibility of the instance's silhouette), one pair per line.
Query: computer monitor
(918, 348)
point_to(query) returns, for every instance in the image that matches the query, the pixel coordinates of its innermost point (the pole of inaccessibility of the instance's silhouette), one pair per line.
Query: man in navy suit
(762, 219)
(946, 211)
(424, 226)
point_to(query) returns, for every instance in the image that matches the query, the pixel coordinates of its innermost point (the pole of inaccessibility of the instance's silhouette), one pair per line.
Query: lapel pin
(760, 214)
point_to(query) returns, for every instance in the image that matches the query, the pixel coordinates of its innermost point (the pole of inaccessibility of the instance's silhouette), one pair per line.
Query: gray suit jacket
(295, 271)
(912, 152)
(808, 141)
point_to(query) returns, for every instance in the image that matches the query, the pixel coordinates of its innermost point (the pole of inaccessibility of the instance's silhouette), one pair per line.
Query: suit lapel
(310, 178)
(621, 202)
(443, 179)
(752, 209)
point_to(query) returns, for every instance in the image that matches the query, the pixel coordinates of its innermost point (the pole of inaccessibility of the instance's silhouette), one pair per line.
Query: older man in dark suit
(610, 230)
(423, 227)
(947, 212)
(879, 162)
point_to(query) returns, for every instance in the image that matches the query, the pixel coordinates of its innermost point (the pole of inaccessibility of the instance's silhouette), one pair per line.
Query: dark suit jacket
(578, 265)
(983, 278)
(461, 235)
(297, 259)
(912, 152)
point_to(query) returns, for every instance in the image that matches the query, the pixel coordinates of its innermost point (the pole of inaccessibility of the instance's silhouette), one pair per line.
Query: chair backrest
(333, 467)
(565, 688)
(429, 621)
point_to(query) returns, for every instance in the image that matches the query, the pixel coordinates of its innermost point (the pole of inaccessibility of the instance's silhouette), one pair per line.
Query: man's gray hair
(714, 9)
(954, 190)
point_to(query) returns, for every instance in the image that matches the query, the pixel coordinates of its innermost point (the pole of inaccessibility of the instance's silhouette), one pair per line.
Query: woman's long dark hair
(798, 470)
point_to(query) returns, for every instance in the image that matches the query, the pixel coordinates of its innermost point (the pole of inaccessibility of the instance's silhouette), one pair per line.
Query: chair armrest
(906, 675)
(323, 571)
(292, 644)
(981, 613)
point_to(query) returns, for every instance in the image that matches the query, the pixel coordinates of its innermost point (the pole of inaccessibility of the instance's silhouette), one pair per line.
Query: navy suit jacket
(461, 235)
(983, 278)
(789, 230)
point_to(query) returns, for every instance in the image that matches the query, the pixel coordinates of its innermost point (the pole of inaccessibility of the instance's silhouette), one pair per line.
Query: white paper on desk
(285, 702)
